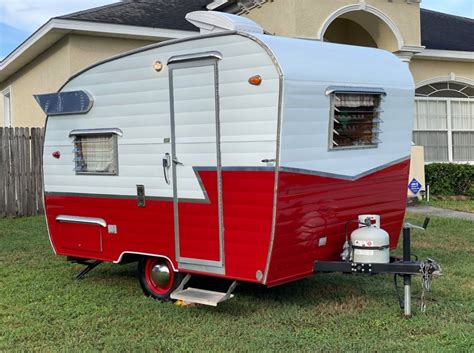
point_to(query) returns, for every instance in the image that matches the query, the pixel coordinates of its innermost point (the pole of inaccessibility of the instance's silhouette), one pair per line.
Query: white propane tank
(370, 243)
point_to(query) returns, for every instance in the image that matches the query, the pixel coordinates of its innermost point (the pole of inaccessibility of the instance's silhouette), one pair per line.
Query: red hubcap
(159, 275)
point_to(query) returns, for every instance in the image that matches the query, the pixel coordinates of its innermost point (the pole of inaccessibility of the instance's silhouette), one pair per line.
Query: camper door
(196, 162)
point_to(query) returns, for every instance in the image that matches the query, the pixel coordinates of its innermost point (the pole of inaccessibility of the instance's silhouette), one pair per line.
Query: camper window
(355, 120)
(96, 154)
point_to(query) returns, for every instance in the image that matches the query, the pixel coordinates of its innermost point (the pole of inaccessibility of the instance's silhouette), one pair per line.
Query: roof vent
(213, 21)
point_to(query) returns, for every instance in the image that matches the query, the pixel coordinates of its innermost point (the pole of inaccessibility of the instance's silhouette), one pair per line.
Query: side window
(95, 152)
(355, 120)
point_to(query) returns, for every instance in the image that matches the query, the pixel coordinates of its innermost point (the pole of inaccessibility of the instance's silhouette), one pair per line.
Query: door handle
(175, 161)
(166, 166)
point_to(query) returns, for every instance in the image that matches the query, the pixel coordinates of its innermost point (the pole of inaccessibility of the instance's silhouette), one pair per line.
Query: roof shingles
(446, 32)
(147, 13)
(438, 30)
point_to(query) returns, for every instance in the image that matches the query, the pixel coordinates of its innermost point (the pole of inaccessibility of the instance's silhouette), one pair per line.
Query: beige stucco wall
(49, 71)
(87, 50)
(423, 69)
(305, 18)
(45, 74)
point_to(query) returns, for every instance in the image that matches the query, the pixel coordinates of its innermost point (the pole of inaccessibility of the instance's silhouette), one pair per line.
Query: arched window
(444, 121)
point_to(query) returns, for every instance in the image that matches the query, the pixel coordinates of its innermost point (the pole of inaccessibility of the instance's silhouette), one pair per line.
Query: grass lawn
(457, 205)
(42, 307)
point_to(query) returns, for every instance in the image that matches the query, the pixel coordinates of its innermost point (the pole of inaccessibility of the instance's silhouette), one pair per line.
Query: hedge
(450, 179)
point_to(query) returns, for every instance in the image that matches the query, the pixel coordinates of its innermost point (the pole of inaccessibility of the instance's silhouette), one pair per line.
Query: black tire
(148, 281)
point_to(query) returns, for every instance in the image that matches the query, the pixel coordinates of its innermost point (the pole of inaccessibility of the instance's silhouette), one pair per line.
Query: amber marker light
(158, 66)
(255, 80)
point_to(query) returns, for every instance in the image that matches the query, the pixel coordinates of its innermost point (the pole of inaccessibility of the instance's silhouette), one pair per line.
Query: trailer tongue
(398, 267)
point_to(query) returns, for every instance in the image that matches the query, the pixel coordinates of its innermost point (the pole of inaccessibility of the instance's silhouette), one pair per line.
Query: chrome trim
(102, 131)
(341, 176)
(202, 268)
(353, 89)
(146, 254)
(220, 204)
(193, 261)
(278, 146)
(214, 54)
(83, 220)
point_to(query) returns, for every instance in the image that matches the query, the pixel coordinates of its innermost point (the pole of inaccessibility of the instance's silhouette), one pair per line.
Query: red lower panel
(310, 207)
(247, 199)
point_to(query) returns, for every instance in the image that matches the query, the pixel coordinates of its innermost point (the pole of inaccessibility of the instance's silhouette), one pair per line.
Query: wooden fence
(21, 177)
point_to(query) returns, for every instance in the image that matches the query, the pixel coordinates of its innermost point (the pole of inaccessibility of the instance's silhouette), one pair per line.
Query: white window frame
(449, 130)
(7, 107)
(377, 112)
(114, 133)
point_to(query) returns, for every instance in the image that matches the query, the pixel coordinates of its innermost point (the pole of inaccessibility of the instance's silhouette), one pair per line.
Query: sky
(20, 18)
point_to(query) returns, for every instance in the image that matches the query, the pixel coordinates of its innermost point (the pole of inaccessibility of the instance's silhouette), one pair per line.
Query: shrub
(450, 179)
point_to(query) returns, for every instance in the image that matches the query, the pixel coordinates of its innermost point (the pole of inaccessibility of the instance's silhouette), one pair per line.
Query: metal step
(200, 296)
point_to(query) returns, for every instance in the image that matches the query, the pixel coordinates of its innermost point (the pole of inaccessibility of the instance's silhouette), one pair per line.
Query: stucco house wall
(49, 71)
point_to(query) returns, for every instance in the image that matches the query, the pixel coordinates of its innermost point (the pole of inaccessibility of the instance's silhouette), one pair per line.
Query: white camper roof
(311, 60)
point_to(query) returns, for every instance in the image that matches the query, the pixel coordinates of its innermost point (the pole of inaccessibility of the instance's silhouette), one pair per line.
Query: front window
(95, 152)
(355, 120)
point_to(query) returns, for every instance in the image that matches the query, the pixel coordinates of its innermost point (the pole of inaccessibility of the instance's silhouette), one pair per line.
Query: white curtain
(463, 146)
(462, 114)
(355, 100)
(435, 144)
(95, 154)
(430, 115)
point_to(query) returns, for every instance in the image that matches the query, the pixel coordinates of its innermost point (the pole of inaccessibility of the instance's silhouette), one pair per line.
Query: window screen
(355, 120)
(96, 154)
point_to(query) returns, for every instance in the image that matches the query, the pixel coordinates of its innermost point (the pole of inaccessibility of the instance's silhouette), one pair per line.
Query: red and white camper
(232, 153)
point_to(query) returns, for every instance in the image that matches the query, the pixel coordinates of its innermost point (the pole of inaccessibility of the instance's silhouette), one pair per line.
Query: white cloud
(28, 15)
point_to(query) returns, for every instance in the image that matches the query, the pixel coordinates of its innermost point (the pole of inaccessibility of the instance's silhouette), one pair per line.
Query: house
(67, 44)
(437, 47)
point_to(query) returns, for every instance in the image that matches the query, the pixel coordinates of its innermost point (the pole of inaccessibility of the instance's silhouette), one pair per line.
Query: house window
(355, 120)
(95, 151)
(7, 114)
(444, 122)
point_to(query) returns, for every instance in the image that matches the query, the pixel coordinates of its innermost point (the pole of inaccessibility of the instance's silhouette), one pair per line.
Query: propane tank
(370, 243)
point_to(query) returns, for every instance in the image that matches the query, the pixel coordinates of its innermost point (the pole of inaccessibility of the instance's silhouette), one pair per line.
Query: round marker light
(158, 66)
(255, 80)
(56, 154)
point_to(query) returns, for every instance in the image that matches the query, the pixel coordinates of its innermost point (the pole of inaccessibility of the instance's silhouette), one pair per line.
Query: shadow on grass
(319, 290)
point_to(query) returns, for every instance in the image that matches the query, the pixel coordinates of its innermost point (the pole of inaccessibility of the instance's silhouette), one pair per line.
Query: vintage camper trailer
(232, 154)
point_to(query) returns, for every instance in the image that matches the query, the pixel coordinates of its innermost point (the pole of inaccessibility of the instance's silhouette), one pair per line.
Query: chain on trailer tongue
(367, 251)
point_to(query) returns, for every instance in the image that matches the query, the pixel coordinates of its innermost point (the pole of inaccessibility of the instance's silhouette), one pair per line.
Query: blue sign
(414, 186)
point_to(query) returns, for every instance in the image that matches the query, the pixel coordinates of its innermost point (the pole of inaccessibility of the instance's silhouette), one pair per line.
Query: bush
(450, 179)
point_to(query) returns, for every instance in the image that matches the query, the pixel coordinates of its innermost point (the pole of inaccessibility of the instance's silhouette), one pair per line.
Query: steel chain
(429, 269)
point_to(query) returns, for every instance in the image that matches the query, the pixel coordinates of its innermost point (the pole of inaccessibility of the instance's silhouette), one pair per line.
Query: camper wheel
(157, 278)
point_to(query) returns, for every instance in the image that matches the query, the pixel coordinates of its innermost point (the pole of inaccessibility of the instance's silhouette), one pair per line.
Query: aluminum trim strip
(83, 220)
(202, 268)
(342, 176)
(193, 261)
(353, 89)
(78, 132)
(272, 56)
(195, 56)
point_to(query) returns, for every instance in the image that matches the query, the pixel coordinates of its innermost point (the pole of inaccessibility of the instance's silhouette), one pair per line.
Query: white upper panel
(129, 94)
(309, 68)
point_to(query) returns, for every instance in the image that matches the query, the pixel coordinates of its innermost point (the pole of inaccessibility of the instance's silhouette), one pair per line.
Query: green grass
(457, 205)
(42, 307)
